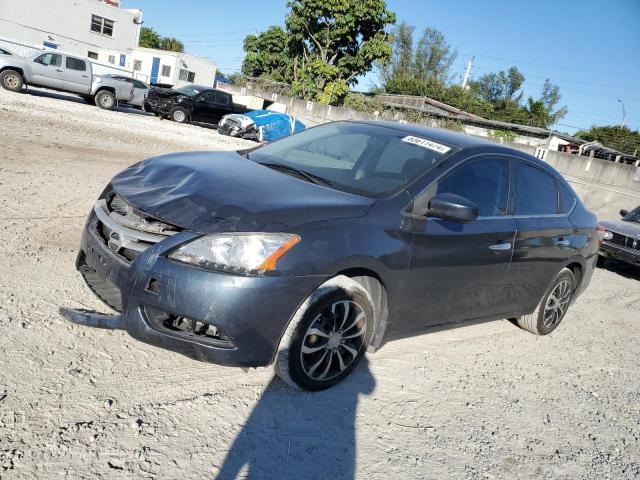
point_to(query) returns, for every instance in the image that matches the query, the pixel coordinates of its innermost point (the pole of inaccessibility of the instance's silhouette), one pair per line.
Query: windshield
(190, 90)
(358, 158)
(633, 216)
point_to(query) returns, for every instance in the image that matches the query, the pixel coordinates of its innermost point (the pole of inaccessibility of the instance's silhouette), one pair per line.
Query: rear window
(76, 64)
(536, 192)
(359, 158)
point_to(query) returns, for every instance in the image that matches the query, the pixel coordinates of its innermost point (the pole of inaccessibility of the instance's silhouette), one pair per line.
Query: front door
(457, 270)
(46, 70)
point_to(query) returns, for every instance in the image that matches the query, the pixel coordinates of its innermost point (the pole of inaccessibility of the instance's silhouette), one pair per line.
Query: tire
(179, 115)
(11, 80)
(321, 320)
(553, 306)
(106, 100)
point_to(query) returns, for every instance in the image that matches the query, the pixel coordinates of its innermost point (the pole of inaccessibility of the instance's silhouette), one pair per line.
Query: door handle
(85, 76)
(58, 70)
(499, 247)
(561, 243)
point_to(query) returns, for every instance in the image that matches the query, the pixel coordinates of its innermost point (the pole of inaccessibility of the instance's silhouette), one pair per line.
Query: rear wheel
(105, 100)
(553, 306)
(327, 336)
(11, 80)
(180, 115)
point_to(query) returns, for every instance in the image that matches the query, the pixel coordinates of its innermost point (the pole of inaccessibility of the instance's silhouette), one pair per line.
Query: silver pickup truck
(67, 73)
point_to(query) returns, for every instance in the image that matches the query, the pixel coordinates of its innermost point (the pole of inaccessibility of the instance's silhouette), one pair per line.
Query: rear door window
(567, 198)
(76, 64)
(222, 98)
(536, 192)
(484, 182)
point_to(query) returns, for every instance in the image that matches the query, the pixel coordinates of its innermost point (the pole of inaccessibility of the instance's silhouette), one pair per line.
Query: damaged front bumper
(215, 317)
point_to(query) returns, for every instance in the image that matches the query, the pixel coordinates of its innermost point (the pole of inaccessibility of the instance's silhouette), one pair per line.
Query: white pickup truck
(67, 73)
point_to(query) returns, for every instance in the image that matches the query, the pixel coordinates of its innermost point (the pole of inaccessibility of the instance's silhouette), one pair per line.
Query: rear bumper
(611, 250)
(253, 312)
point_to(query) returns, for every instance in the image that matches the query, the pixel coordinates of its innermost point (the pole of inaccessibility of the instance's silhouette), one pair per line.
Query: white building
(100, 30)
(172, 68)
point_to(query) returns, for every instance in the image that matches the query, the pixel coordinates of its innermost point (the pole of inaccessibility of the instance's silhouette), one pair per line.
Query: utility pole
(624, 114)
(467, 72)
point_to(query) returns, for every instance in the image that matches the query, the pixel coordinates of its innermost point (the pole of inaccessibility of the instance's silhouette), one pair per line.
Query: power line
(564, 67)
(213, 34)
(564, 80)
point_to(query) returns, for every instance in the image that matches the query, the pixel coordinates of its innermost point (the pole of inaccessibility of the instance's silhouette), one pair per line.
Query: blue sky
(590, 48)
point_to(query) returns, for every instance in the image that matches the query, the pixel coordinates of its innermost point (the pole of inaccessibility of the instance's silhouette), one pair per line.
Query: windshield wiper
(310, 177)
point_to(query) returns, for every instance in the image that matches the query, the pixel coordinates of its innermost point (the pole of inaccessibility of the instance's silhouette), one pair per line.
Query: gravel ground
(478, 401)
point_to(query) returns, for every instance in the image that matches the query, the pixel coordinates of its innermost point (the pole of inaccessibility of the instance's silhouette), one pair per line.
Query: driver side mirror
(449, 206)
(624, 213)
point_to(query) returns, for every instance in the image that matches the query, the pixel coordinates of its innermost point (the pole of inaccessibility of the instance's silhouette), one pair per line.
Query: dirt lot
(480, 401)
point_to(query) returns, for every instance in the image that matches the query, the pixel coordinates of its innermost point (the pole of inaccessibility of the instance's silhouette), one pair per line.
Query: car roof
(459, 140)
(436, 134)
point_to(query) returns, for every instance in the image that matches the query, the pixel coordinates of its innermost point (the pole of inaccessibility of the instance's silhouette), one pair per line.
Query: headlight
(236, 252)
(607, 235)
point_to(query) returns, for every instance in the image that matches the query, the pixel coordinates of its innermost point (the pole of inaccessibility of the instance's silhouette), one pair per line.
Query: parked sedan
(621, 239)
(140, 89)
(308, 251)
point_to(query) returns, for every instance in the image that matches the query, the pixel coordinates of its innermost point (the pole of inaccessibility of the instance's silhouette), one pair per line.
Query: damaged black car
(191, 103)
(312, 250)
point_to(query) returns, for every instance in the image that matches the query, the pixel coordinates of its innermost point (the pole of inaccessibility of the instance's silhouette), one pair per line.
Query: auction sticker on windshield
(423, 142)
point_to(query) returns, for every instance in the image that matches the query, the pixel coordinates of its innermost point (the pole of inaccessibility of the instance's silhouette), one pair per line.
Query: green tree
(171, 44)
(419, 70)
(149, 38)
(400, 68)
(434, 56)
(267, 55)
(494, 87)
(622, 139)
(334, 41)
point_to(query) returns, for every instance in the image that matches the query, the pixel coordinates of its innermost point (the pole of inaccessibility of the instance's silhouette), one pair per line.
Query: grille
(127, 231)
(625, 241)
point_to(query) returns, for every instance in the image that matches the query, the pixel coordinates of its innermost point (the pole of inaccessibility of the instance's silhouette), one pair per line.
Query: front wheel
(327, 336)
(553, 306)
(180, 115)
(11, 80)
(105, 100)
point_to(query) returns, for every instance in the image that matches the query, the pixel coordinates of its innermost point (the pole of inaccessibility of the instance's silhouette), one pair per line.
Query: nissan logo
(114, 241)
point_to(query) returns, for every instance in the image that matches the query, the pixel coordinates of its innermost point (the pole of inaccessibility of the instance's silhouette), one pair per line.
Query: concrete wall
(67, 24)
(604, 186)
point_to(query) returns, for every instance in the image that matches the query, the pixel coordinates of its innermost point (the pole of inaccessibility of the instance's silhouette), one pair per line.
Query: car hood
(630, 229)
(223, 191)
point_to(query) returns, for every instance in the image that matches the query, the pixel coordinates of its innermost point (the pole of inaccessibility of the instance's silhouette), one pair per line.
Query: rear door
(458, 270)
(46, 70)
(544, 237)
(77, 75)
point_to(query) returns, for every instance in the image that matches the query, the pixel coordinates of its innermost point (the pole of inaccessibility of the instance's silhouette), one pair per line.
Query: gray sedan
(140, 89)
